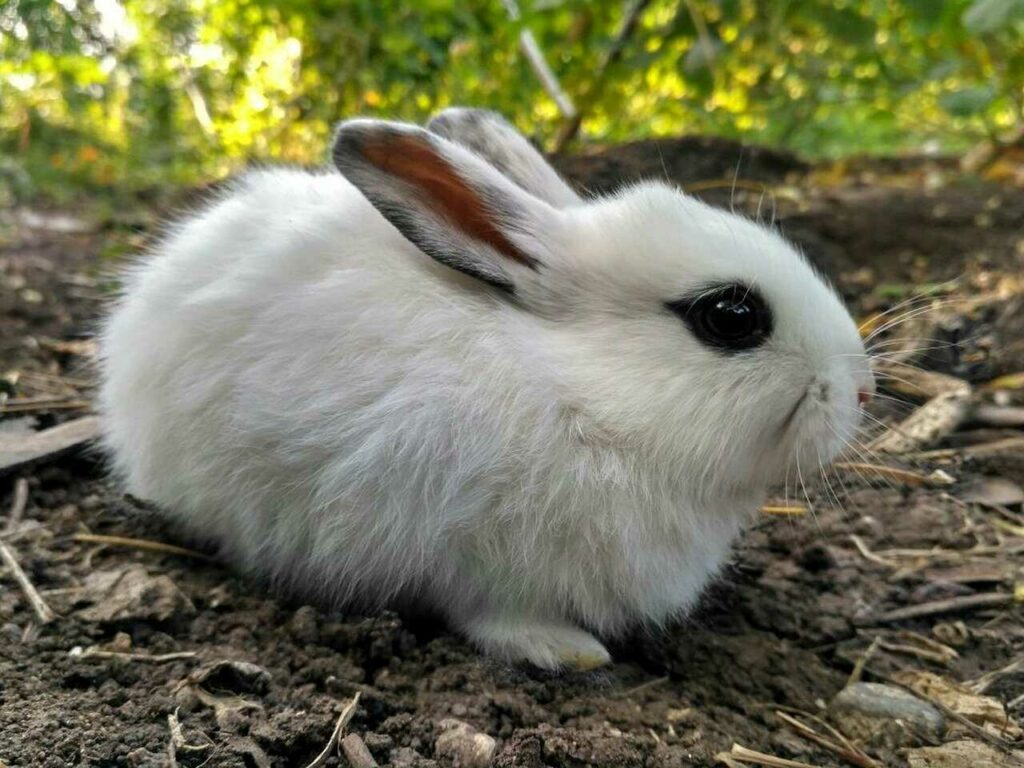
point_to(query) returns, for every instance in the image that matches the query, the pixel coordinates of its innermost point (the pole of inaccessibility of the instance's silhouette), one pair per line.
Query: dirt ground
(141, 667)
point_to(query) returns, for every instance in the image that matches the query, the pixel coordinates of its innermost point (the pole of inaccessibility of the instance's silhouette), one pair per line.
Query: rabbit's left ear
(495, 139)
(448, 202)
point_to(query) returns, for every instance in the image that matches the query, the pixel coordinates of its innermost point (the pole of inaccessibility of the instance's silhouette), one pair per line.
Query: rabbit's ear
(495, 139)
(445, 200)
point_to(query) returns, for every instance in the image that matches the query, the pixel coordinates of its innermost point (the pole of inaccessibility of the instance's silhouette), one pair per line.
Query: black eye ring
(730, 318)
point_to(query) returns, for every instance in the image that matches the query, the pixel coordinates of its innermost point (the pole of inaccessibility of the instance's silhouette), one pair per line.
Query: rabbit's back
(285, 373)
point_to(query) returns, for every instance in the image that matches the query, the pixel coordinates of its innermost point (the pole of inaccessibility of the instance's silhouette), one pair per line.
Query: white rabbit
(417, 380)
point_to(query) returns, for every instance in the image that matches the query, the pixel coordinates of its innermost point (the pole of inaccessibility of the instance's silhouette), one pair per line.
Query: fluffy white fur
(291, 378)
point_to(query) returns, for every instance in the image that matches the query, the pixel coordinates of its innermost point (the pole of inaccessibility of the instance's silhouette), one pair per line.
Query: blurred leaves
(985, 16)
(138, 94)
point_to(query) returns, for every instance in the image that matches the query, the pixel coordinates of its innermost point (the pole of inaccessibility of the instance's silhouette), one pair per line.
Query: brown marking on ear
(411, 160)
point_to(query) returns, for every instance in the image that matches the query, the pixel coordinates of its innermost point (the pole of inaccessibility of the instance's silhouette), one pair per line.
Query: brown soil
(782, 628)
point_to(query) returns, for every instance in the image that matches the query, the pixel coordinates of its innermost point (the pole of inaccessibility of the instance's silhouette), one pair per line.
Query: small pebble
(304, 626)
(90, 502)
(465, 746)
(379, 744)
(404, 757)
(885, 716)
(186, 699)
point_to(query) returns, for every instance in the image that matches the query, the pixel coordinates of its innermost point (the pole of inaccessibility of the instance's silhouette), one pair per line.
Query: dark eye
(727, 317)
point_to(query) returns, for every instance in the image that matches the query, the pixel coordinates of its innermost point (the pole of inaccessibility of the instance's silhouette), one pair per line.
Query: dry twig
(935, 607)
(895, 474)
(744, 755)
(923, 641)
(178, 737)
(918, 382)
(793, 511)
(643, 687)
(144, 544)
(630, 19)
(38, 404)
(986, 681)
(159, 658)
(858, 668)
(539, 64)
(1009, 445)
(43, 612)
(863, 548)
(844, 749)
(343, 720)
(907, 649)
(18, 505)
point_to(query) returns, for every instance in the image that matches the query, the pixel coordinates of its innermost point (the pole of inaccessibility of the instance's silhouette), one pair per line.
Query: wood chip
(961, 753)
(79, 347)
(356, 752)
(48, 443)
(936, 419)
(999, 415)
(976, 713)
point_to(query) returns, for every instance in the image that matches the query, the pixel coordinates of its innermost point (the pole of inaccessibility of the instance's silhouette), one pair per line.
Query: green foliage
(142, 93)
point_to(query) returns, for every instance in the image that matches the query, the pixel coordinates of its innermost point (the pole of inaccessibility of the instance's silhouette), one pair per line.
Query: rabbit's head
(671, 327)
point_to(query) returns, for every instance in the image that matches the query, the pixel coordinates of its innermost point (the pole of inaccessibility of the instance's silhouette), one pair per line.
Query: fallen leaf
(132, 594)
(992, 491)
(231, 676)
(1009, 381)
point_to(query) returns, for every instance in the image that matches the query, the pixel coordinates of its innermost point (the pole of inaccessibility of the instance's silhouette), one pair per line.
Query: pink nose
(863, 397)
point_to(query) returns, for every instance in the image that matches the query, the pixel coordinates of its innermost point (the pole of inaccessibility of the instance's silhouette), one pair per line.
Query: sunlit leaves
(985, 16)
(161, 91)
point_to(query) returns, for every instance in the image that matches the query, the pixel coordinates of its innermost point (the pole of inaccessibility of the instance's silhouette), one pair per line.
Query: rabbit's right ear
(448, 202)
(495, 139)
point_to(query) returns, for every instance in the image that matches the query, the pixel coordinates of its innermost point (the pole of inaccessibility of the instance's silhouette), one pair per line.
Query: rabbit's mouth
(815, 392)
(807, 432)
(794, 412)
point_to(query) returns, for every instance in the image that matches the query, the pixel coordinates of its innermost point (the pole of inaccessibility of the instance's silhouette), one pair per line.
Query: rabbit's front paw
(549, 644)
